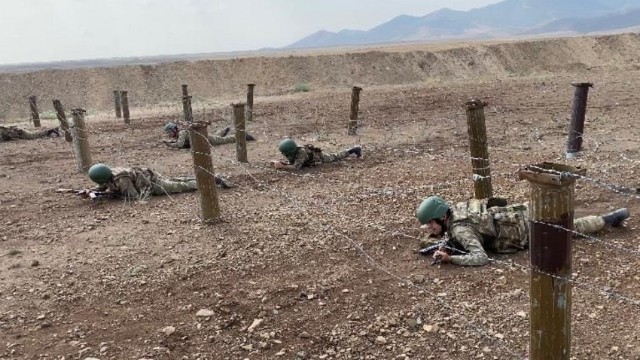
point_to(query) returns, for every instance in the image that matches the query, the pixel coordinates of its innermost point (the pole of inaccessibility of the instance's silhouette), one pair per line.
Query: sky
(54, 30)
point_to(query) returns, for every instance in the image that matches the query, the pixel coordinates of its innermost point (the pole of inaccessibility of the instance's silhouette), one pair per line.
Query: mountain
(507, 18)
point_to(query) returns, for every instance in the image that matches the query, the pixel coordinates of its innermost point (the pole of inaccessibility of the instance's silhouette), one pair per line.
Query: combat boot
(615, 218)
(225, 131)
(357, 150)
(223, 183)
(249, 137)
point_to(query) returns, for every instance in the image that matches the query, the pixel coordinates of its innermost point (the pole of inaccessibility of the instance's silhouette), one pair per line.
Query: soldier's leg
(328, 158)
(221, 140)
(588, 224)
(29, 135)
(164, 186)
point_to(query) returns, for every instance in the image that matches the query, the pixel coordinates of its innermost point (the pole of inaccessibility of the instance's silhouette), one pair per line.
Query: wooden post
(80, 141)
(62, 118)
(116, 101)
(478, 149)
(249, 114)
(185, 91)
(205, 175)
(576, 128)
(353, 114)
(186, 108)
(33, 106)
(241, 137)
(124, 98)
(551, 212)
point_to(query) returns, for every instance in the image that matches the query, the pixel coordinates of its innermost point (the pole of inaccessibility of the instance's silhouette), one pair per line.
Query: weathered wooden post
(185, 90)
(203, 167)
(33, 106)
(576, 128)
(80, 141)
(116, 101)
(241, 137)
(479, 150)
(551, 212)
(249, 114)
(124, 98)
(62, 118)
(186, 108)
(353, 114)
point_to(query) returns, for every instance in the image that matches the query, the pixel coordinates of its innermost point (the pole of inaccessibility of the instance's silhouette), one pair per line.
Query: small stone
(522, 314)
(499, 336)
(205, 313)
(427, 328)
(168, 330)
(35, 263)
(280, 353)
(304, 335)
(255, 324)
(381, 340)
(247, 347)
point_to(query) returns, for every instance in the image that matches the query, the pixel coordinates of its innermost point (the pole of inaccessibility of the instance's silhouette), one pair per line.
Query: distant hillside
(626, 19)
(224, 81)
(507, 18)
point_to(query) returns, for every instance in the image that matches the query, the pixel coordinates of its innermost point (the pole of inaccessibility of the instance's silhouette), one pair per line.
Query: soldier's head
(100, 173)
(288, 147)
(171, 129)
(432, 214)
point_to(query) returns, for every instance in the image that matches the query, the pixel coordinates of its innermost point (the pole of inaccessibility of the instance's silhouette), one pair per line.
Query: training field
(318, 264)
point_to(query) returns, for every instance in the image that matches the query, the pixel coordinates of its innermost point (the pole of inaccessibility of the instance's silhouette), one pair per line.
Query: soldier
(14, 132)
(474, 227)
(308, 155)
(180, 137)
(138, 182)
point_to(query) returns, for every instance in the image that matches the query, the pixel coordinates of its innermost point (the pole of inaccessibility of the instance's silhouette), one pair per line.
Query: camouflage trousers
(329, 158)
(29, 135)
(221, 140)
(164, 186)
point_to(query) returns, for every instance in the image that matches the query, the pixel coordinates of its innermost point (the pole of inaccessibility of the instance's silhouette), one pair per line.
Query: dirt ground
(319, 264)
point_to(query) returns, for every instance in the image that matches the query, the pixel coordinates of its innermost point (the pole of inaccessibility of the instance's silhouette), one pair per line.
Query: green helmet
(100, 173)
(170, 127)
(288, 147)
(433, 207)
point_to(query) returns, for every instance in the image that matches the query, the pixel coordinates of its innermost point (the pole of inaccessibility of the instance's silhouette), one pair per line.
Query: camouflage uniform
(474, 227)
(183, 140)
(137, 182)
(13, 132)
(309, 155)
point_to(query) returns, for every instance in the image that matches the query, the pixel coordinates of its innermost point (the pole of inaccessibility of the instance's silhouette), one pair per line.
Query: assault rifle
(446, 245)
(89, 193)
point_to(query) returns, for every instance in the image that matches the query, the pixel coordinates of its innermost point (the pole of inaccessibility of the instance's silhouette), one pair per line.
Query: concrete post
(353, 114)
(578, 113)
(80, 141)
(124, 98)
(479, 150)
(205, 175)
(116, 102)
(62, 118)
(249, 114)
(241, 137)
(33, 106)
(551, 211)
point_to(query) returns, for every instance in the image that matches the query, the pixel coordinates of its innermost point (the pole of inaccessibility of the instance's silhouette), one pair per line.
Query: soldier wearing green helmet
(475, 226)
(139, 182)
(179, 138)
(298, 157)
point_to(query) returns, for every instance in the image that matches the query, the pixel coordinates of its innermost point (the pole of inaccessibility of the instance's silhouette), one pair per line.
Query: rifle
(446, 245)
(89, 193)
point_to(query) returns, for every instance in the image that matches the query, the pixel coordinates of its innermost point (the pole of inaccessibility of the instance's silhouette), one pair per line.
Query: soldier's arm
(126, 188)
(470, 241)
(301, 158)
(180, 142)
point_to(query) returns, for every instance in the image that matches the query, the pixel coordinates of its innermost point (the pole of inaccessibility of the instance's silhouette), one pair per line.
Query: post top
(551, 173)
(358, 88)
(78, 111)
(251, 84)
(582, 84)
(238, 104)
(475, 104)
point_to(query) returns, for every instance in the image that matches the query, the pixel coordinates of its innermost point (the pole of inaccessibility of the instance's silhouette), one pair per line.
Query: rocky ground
(319, 264)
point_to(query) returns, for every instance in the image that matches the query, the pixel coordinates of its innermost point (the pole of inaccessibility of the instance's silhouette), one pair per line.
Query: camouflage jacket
(182, 142)
(131, 182)
(305, 156)
(474, 227)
